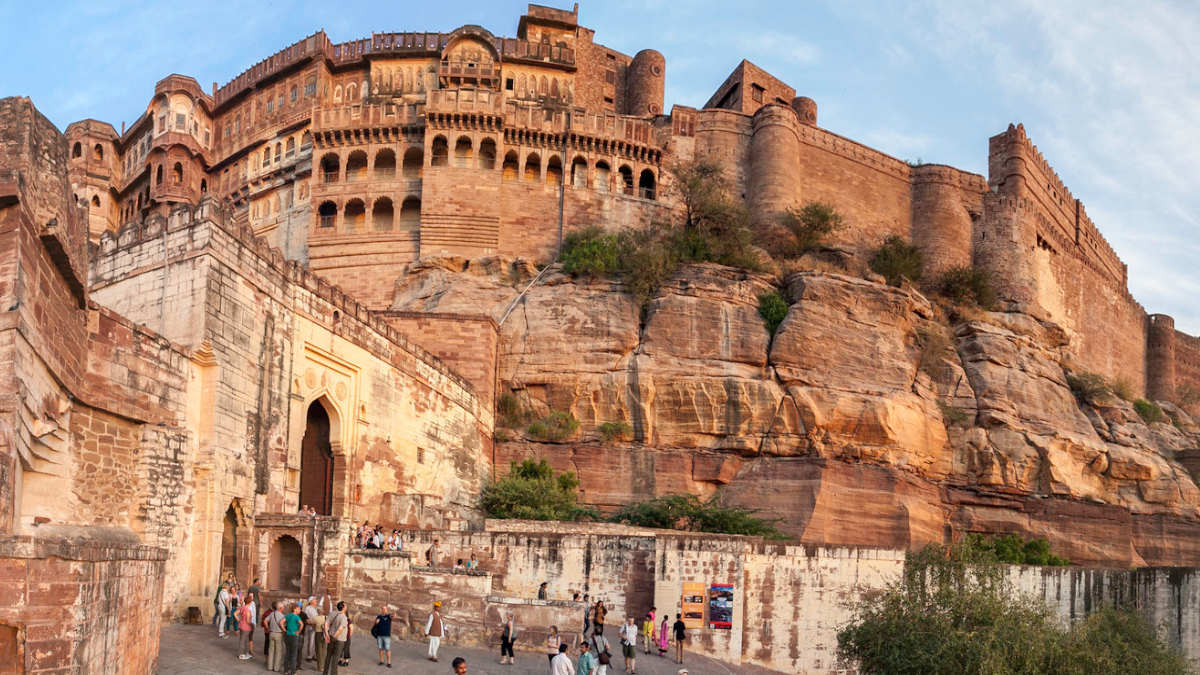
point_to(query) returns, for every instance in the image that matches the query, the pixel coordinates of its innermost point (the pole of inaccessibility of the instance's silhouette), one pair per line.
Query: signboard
(692, 604)
(720, 606)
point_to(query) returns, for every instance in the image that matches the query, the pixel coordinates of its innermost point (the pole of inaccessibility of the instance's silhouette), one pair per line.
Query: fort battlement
(317, 43)
(152, 229)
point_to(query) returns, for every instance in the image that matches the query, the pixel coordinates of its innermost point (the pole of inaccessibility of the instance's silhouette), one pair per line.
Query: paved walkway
(193, 650)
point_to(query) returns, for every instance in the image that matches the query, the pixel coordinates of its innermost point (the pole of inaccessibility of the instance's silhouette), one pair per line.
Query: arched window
(177, 172)
(414, 158)
(542, 88)
(278, 152)
(351, 93)
(511, 168)
(554, 171)
(533, 168)
(291, 146)
(646, 184)
(626, 179)
(410, 213)
(382, 214)
(328, 214)
(330, 167)
(385, 164)
(158, 175)
(487, 154)
(355, 216)
(266, 158)
(603, 176)
(294, 94)
(203, 186)
(462, 151)
(441, 151)
(77, 151)
(579, 172)
(306, 141)
(337, 94)
(96, 201)
(98, 152)
(356, 165)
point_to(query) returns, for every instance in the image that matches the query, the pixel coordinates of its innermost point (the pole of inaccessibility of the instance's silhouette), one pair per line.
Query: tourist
(586, 663)
(222, 609)
(587, 616)
(598, 616)
(508, 635)
(434, 628)
(648, 631)
(458, 666)
(345, 659)
(245, 622)
(252, 605)
(431, 554)
(680, 635)
(382, 631)
(542, 591)
(473, 563)
(664, 634)
(234, 603)
(293, 623)
(318, 632)
(552, 642)
(275, 636)
(603, 653)
(629, 635)
(312, 612)
(561, 664)
(337, 629)
(459, 566)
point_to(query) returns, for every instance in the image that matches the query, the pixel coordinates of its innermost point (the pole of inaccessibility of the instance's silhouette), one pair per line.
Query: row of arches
(77, 151)
(354, 217)
(383, 166)
(284, 150)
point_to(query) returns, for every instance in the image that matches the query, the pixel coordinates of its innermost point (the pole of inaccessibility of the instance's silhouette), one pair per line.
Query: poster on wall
(720, 606)
(692, 604)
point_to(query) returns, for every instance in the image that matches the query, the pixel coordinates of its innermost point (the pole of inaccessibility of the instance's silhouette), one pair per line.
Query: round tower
(941, 225)
(645, 81)
(806, 110)
(1160, 358)
(774, 182)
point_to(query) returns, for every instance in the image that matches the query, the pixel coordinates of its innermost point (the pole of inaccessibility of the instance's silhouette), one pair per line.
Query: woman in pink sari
(663, 634)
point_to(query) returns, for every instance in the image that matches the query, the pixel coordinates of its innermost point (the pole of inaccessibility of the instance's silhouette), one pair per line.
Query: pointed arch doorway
(316, 461)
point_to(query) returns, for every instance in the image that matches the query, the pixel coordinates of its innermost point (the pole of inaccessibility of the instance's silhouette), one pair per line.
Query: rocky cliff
(867, 419)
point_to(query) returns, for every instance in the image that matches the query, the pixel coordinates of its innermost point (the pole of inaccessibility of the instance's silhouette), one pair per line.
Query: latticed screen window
(180, 121)
(310, 89)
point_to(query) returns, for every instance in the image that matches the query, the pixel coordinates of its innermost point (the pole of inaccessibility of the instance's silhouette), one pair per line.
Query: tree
(531, 491)
(687, 512)
(805, 228)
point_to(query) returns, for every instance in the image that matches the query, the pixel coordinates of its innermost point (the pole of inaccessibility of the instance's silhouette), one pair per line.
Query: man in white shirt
(223, 600)
(629, 633)
(435, 629)
(311, 612)
(561, 664)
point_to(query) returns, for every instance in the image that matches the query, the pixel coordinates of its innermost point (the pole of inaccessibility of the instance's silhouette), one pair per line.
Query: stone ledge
(89, 544)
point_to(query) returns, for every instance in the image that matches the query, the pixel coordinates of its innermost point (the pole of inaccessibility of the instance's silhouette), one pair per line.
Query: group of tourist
(366, 536)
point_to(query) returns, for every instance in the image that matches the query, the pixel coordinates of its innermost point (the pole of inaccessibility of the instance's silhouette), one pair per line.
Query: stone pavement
(193, 650)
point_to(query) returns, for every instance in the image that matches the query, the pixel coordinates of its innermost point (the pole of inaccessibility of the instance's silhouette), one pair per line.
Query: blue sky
(1109, 91)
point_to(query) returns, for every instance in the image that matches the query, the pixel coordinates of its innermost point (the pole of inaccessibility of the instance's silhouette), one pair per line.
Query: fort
(216, 316)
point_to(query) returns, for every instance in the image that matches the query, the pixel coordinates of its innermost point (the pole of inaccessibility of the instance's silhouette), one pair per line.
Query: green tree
(968, 285)
(531, 491)
(804, 229)
(773, 308)
(897, 260)
(688, 512)
(590, 252)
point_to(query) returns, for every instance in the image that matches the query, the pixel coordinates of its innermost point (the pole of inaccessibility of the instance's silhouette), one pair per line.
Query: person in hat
(435, 629)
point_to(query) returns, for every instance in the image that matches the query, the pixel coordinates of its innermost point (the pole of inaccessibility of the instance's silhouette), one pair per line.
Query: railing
(330, 176)
(470, 69)
(327, 221)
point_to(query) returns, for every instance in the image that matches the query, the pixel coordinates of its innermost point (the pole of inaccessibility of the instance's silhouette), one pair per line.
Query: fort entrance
(316, 462)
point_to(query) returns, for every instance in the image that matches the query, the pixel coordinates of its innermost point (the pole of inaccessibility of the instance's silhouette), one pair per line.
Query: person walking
(245, 622)
(664, 635)
(561, 663)
(680, 635)
(337, 629)
(275, 638)
(311, 612)
(552, 642)
(252, 604)
(598, 617)
(586, 663)
(223, 599)
(293, 623)
(382, 630)
(629, 635)
(603, 653)
(435, 628)
(542, 591)
(345, 658)
(587, 616)
(508, 635)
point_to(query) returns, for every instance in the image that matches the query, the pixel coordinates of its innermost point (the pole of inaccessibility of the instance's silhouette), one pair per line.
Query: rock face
(863, 421)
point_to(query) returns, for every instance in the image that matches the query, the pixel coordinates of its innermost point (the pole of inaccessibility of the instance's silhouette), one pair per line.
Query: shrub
(1116, 640)
(590, 252)
(897, 260)
(557, 426)
(1123, 388)
(1149, 411)
(510, 413)
(952, 416)
(1088, 387)
(805, 228)
(772, 307)
(967, 285)
(1015, 549)
(688, 512)
(532, 491)
(1186, 396)
(614, 431)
